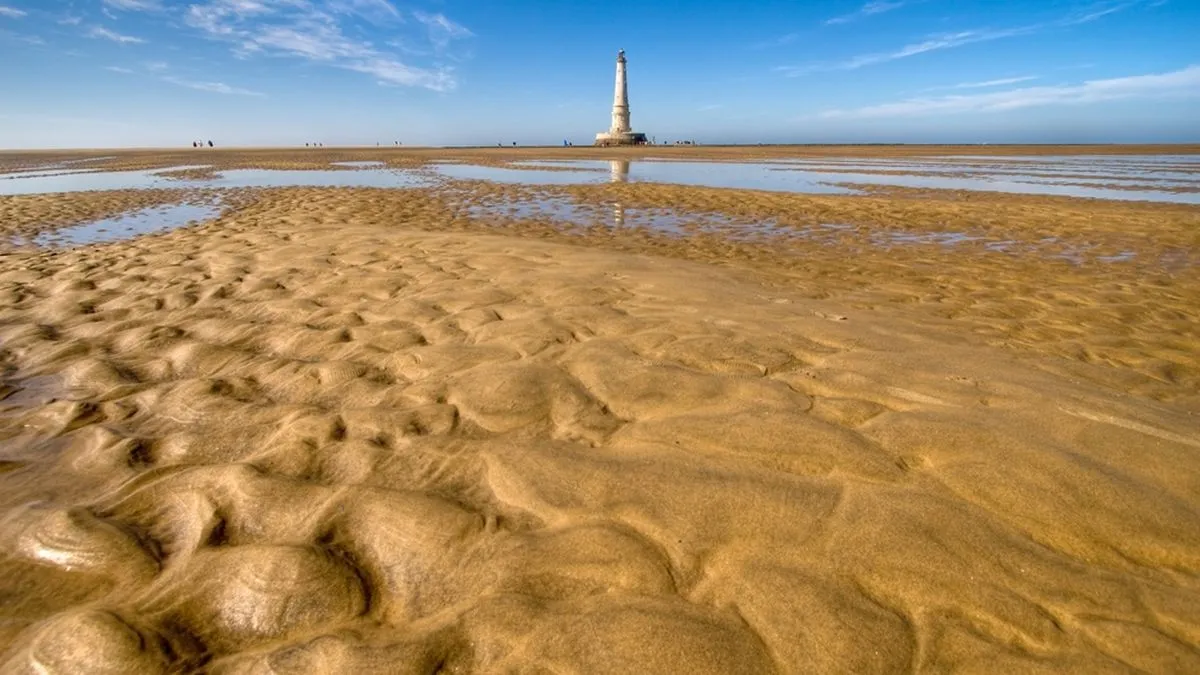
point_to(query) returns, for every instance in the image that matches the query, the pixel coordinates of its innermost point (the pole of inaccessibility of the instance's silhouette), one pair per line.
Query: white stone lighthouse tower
(620, 133)
(620, 114)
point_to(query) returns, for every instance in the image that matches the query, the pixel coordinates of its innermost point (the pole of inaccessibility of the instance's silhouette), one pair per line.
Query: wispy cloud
(985, 83)
(372, 10)
(1175, 84)
(12, 12)
(102, 32)
(780, 41)
(441, 29)
(214, 87)
(8, 35)
(1099, 10)
(869, 9)
(154, 70)
(943, 41)
(135, 5)
(302, 29)
(931, 44)
(70, 20)
(391, 72)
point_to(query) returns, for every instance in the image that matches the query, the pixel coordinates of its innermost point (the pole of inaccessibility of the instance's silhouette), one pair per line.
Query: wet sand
(354, 429)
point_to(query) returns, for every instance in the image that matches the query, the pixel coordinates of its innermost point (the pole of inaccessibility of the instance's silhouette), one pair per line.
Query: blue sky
(102, 73)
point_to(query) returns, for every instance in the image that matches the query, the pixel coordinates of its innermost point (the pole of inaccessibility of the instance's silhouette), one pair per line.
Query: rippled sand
(353, 431)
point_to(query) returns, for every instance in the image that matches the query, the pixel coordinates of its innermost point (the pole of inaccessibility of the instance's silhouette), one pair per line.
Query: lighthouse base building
(619, 133)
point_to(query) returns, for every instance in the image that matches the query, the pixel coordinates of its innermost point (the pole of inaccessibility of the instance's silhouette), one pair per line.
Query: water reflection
(670, 222)
(1131, 179)
(618, 172)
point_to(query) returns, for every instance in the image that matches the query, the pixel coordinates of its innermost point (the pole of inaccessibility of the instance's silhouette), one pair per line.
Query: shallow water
(1147, 178)
(736, 175)
(43, 172)
(567, 211)
(125, 226)
(614, 214)
(807, 176)
(232, 178)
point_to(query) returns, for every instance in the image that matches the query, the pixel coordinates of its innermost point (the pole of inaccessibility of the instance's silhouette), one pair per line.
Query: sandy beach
(371, 430)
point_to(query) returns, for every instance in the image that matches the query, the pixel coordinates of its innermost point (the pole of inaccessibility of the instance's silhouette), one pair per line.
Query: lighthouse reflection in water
(618, 173)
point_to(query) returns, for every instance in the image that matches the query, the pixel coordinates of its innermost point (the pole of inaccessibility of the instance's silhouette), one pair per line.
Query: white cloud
(1179, 83)
(154, 70)
(101, 32)
(373, 10)
(441, 29)
(776, 42)
(931, 44)
(1099, 10)
(70, 20)
(390, 71)
(214, 87)
(986, 83)
(944, 41)
(135, 5)
(301, 29)
(7, 35)
(12, 12)
(315, 41)
(869, 9)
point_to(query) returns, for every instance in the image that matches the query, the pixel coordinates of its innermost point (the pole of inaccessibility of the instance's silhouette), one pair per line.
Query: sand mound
(298, 441)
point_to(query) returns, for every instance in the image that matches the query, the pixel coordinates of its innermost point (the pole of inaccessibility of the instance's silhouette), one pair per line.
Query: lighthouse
(619, 133)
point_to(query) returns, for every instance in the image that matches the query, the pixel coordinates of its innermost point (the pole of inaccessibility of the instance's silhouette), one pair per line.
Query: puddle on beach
(568, 212)
(230, 178)
(45, 172)
(1147, 178)
(17, 394)
(124, 226)
(1079, 178)
(706, 174)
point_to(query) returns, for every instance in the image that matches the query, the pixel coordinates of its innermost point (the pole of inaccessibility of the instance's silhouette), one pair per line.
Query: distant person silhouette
(210, 144)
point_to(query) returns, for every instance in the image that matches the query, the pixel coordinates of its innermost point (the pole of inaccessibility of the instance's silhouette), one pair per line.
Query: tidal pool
(230, 178)
(567, 211)
(1124, 180)
(124, 226)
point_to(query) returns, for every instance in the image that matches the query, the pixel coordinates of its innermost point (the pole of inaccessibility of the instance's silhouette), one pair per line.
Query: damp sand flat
(345, 429)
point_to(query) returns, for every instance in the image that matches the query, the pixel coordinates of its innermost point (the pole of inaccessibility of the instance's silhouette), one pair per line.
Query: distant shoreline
(695, 151)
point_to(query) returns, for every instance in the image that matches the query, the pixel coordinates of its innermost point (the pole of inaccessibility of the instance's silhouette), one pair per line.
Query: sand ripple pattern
(306, 440)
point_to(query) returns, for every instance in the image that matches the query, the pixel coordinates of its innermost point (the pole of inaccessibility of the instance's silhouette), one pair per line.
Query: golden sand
(351, 430)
